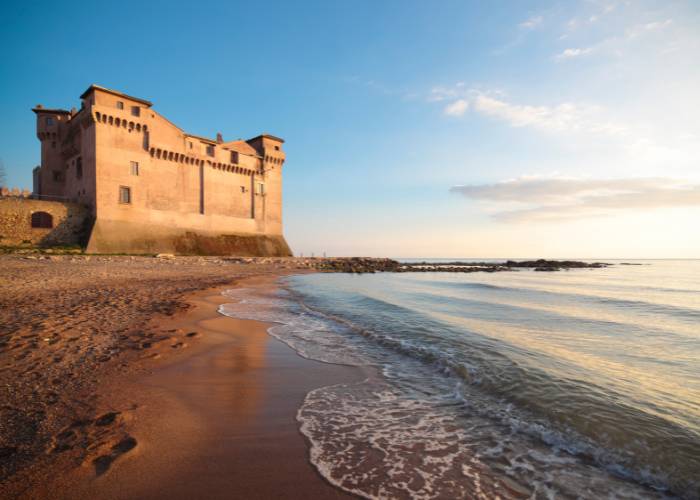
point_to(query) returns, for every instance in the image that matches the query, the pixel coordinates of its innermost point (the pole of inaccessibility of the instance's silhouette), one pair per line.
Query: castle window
(135, 111)
(210, 150)
(42, 220)
(134, 168)
(259, 188)
(79, 167)
(120, 105)
(234, 157)
(277, 148)
(58, 176)
(124, 194)
(190, 144)
(49, 120)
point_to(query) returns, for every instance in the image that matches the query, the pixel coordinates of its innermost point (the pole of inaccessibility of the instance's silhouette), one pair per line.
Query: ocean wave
(645, 307)
(365, 441)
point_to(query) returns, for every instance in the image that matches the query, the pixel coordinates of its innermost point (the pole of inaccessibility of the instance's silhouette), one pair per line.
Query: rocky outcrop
(556, 265)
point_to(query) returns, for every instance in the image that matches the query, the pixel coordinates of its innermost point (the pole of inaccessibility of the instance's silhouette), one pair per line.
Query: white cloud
(572, 53)
(560, 118)
(531, 23)
(456, 108)
(641, 29)
(557, 198)
(441, 93)
(615, 44)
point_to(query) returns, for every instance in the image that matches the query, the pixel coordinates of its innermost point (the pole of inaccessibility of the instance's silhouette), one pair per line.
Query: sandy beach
(123, 381)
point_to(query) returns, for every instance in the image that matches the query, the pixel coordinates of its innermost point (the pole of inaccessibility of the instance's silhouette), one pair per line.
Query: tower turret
(268, 189)
(50, 123)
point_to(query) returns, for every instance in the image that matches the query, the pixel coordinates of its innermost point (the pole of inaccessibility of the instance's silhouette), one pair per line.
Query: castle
(150, 187)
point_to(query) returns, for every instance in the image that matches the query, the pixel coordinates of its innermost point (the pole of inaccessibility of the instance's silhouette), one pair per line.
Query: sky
(412, 128)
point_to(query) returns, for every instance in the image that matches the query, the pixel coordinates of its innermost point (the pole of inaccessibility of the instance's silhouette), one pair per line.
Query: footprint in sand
(103, 462)
(107, 418)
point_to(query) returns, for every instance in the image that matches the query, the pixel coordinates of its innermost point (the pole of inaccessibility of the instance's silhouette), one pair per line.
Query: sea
(573, 384)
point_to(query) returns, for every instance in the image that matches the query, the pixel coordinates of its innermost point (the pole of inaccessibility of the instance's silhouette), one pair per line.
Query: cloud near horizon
(557, 199)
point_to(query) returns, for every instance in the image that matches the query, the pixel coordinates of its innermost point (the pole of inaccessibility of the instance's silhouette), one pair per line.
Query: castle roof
(241, 147)
(40, 109)
(201, 138)
(266, 136)
(116, 93)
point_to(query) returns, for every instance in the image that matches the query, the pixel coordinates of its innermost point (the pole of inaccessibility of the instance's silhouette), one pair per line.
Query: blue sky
(459, 129)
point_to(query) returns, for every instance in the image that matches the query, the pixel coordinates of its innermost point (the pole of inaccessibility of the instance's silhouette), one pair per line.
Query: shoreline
(219, 415)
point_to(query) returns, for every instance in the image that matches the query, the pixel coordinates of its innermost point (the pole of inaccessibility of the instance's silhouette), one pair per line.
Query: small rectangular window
(135, 111)
(124, 194)
(259, 188)
(210, 150)
(190, 145)
(49, 120)
(79, 167)
(134, 168)
(120, 105)
(234, 157)
(58, 176)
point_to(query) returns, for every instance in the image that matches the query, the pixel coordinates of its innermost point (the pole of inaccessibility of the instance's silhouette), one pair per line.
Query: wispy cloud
(456, 108)
(442, 93)
(562, 117)
(571, 53)
(531, 23)
(553, 199)
(614, 44)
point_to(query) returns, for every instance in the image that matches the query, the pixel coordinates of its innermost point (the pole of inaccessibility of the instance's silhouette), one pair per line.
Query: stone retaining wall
(70, 222)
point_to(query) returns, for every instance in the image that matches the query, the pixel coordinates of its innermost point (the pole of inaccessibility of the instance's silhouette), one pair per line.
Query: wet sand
(143, 390)
(219, 421)
(204, 407)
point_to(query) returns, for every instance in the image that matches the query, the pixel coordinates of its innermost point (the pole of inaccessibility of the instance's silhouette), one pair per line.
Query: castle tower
(50, 178)
(268, 189)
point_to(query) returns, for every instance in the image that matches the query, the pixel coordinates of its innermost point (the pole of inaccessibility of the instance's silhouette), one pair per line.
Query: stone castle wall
(69, 221)
(151, 186)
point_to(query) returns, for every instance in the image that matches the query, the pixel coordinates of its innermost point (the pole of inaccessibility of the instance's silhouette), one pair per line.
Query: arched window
(42, 219)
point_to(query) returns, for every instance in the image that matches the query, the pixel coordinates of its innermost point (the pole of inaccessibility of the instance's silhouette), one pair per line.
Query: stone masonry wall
(70, 222)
